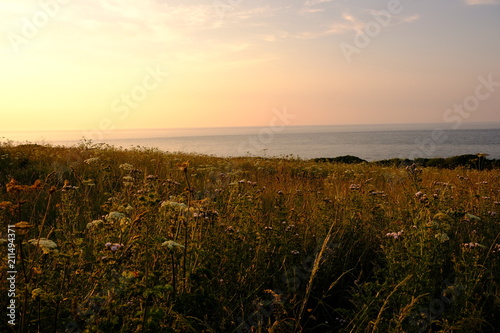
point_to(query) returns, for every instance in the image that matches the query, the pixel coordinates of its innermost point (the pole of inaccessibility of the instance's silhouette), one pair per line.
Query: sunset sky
(122, 64)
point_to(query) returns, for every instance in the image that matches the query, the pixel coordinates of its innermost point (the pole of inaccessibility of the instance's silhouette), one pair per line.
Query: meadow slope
(139, 240)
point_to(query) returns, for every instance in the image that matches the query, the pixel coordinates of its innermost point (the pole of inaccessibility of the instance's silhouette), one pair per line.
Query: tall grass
(148, 243)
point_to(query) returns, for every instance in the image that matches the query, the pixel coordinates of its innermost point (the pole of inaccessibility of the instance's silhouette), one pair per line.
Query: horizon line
(497, 123)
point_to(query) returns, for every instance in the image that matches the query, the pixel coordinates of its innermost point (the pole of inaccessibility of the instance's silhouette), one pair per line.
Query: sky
(100, 65)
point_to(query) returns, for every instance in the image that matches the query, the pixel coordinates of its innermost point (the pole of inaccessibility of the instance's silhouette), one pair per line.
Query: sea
(369, 142)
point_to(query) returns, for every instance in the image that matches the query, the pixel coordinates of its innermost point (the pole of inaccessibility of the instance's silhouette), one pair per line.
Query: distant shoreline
(468, 161)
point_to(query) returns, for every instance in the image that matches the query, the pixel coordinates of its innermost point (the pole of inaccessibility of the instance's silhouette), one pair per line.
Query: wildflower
(183, 166)
(113, 246)
(173, 204)
(395, 235)
(295, 252)
(117, 217)
(91, 160)
(14, 186)
(471, 245)
(22, 227)
(419, 194)
(126, 167)
(67, 186)
(5, 204)
(268, 228)
(170, 244)
(45, 244)
(94, 224)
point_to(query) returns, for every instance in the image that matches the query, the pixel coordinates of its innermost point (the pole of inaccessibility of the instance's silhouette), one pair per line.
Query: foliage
(114, 240)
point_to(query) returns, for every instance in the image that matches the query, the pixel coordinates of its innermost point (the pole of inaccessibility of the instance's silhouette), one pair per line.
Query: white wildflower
(45, 244)
(170, 244)
(91, 160)
(126, 166)
(94, 224)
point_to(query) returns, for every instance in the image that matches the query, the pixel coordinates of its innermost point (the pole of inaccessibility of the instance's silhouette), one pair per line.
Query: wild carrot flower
(94, 224)
(46, 245)
(173, 204)
(91, 160)
(170, 244)
(126, 167)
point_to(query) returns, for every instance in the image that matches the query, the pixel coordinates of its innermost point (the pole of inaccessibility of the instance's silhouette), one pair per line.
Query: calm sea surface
(370, 142)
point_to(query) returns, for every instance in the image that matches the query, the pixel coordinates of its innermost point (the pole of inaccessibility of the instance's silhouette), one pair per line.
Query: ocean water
(370, 142)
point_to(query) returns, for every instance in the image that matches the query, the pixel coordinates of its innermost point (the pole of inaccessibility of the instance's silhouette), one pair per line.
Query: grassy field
(113, 240)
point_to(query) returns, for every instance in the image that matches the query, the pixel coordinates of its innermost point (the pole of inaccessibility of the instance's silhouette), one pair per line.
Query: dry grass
(145, 243)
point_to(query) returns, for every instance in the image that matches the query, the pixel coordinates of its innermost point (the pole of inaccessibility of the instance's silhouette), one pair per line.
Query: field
(139, 240)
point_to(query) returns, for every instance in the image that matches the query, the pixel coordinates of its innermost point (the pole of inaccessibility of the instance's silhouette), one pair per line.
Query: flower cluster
(114, 217)
(95, 224)
(471, 245)
(173, 204)
(422, 197)
(14, 186)
(113, 246)
(91, 160)
(126, 167)
(395, 235)
(170, 244)
(46, 245)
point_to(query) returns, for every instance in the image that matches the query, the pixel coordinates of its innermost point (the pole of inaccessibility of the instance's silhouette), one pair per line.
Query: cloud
(481, 2)
(409, 19)
(315, 2)
(349, 23)
(310, 7)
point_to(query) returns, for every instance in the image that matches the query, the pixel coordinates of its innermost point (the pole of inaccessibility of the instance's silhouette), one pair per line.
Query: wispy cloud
(315, 2)
(310, 7)
(481, 2)
(349, 23)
